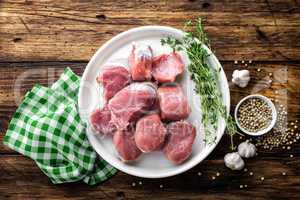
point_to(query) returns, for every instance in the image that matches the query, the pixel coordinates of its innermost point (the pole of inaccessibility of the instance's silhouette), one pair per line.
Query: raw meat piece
(150, 133)
(129, 104)
(101, 121)
(113, 80)
(181, 136)
(125, 145)
(173, 103)
(166, 67)
(140, 62)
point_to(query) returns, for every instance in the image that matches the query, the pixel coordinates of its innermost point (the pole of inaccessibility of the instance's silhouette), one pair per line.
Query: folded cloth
(47, 128)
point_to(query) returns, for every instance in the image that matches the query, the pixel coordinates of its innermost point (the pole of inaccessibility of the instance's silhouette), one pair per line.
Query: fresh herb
(205, 78)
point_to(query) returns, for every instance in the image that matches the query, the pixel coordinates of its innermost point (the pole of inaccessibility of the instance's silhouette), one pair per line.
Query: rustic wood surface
(38, 39)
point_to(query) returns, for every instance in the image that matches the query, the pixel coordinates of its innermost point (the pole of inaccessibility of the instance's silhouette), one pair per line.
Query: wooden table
(38, 39)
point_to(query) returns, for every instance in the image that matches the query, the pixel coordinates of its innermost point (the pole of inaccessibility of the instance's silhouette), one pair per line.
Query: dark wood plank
(16, 171)
(71, 43)
(66, 31)
(165, 5)
(18, 78)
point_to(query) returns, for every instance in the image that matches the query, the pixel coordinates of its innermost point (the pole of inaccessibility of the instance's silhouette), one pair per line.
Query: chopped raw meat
(181, 136)
(155, 108)
(173, 103)
(125, 145)
(113, 80)
(101, 121)
(166, 67)
(150, 133)
(140, 62)
(129, 104)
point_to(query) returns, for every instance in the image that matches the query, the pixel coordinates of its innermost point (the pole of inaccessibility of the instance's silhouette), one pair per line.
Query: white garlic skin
(241, 78)
(247, 149)
(234, 161)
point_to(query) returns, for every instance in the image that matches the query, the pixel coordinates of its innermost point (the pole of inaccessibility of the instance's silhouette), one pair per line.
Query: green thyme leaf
(205, 78)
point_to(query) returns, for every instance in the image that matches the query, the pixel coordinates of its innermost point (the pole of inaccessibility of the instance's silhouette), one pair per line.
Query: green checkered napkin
(47, 128)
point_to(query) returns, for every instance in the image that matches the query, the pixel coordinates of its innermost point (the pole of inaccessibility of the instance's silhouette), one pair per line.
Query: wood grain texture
(15, 172)
(38, 39)
(60, 31)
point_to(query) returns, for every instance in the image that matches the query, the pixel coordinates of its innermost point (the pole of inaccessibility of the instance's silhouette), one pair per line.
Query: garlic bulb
(247, 149)
(234, 161)
(241, 77)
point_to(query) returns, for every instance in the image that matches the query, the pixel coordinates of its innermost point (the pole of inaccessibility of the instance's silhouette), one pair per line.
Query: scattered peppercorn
(283, 134)
(283, 173)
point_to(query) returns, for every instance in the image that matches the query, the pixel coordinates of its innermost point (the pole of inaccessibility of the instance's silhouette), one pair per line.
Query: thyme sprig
(205, 78)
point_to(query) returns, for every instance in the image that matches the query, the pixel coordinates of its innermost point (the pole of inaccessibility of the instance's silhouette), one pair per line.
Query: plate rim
(174, 172)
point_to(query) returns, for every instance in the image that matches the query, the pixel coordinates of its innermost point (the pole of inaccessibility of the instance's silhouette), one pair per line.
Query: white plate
(116, 50)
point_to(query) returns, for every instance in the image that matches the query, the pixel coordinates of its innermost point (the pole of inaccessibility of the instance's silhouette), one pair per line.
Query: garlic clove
(241, 78)
(246, 149)
(234, 161)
